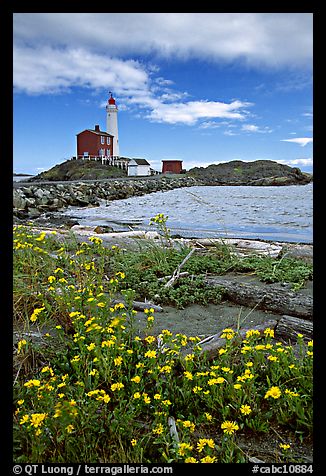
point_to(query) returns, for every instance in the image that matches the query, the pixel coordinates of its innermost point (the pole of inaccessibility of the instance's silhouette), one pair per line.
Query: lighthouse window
(102, 140)
(108, 140)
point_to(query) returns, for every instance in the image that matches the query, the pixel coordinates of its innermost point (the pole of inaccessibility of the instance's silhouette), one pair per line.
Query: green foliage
(93, 389)
(271, 270)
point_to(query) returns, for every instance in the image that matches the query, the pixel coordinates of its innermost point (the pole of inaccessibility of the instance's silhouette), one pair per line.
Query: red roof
(111, 100)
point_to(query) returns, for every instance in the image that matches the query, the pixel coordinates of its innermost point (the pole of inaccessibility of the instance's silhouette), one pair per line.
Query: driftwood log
(288, 327)
(269, 297)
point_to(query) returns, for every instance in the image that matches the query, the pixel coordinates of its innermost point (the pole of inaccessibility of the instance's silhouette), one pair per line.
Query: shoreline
(48, 203)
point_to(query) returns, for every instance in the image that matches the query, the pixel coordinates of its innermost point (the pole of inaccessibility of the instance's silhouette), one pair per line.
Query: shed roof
(141, 161)
(98, 133)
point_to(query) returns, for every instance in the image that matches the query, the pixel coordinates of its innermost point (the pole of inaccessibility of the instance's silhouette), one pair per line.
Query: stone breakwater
(32, 200)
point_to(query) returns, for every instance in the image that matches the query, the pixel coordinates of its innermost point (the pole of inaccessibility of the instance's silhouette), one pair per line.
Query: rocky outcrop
(32, 200)
(257, 172)
(79, 170)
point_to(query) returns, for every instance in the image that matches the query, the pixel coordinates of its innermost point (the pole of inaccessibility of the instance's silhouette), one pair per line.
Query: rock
(33, 212)
(19, 202)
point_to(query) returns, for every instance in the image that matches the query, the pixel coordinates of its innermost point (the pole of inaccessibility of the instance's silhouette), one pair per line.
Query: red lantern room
(111, 100)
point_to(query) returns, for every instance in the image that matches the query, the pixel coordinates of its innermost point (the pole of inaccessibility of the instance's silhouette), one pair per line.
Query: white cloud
(308, 162)
(45, 70)
(257, 39)
(254, 128)
(303, 141)
(190, 112)
(51, 70)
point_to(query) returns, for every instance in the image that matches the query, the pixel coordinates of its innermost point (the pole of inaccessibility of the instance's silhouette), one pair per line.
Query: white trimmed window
(102, 140)
(108, 140)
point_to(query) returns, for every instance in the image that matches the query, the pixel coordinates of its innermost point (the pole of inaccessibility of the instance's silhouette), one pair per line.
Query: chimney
(97, 128)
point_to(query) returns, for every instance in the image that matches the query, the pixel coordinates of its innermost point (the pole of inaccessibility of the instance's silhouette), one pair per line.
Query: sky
(203, 88)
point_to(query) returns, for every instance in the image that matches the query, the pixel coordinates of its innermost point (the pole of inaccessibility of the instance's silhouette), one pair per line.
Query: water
(21, 178)
(267, 213)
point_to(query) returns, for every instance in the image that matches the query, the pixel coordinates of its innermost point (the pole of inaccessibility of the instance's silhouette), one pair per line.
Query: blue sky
(200, 87)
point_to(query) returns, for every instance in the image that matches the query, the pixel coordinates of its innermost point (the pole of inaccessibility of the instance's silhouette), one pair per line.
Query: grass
(91, 388)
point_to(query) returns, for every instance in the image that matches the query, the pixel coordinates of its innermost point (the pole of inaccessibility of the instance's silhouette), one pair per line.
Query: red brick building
(172, 166)
(94, 143)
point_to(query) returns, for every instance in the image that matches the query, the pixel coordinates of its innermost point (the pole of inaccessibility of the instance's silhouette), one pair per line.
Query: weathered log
(289, 327)
(269, 297)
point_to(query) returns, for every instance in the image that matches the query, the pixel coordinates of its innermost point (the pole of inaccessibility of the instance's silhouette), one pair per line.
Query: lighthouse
(112, 123)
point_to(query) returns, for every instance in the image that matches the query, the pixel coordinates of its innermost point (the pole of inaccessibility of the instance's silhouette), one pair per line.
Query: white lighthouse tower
(112, 123)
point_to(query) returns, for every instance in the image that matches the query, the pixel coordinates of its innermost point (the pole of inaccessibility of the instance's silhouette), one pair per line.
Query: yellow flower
(137, 395)
(133, 442)
(252, 332)
(208, 416)
(24, 419)
(190, 459)
(208, 459)
(91, 346)
(117, 386)
(245, 409)
(51, 279)
(290, 393)
(118, 361)
(237, 386)
(202, 442)
(188, 375)
(135, 379)
(36, 312)
(166, 403)
(41, 236)
(273, 392)
(197, 389)
(284, 446)
(189, 424)
(32, 383)
(151, 354)
(272, 358)
(36, 419)
(229, 427)
(228, 334)
(213, 381)
(269, 332)
(70, 428)
(183, 447)
(158, 430)
(21, 343)
(150, 339)
(146, 398)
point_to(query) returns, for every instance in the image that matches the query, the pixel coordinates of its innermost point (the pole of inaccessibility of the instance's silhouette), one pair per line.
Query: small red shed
(171, 166)
(94, 143)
